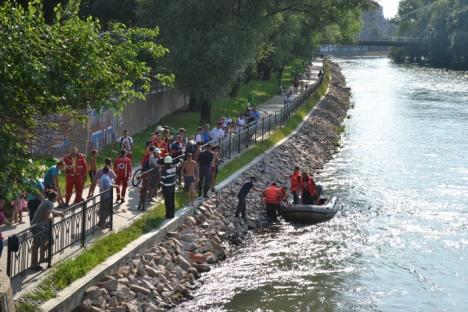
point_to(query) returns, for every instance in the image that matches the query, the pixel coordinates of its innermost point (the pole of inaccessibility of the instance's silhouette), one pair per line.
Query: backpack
(13, 243)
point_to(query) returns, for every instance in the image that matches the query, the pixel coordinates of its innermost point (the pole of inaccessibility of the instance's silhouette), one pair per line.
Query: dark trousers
(271, 210)
(32, 207)
(205, 180)
(241, 208)
(295, 198)
(106, 207)
(169, 200)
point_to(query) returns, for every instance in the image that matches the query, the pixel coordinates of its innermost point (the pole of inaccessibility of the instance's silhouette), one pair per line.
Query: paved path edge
(71, 297)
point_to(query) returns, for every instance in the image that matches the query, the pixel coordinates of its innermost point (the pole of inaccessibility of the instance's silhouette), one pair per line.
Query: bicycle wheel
(137, 177)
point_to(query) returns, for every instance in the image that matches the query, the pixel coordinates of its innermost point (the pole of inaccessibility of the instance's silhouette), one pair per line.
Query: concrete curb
(71, 297)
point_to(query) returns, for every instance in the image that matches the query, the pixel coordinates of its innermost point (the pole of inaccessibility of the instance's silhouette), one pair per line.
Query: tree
(214, 42)
(61, 68)
(442, 23)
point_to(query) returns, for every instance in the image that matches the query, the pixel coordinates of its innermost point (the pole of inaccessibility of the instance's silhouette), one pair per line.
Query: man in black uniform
(205, 159)
(168, 182)
(243, 192)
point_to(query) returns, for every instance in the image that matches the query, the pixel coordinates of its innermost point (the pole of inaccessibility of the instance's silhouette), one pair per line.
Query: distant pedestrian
(241, 196)
(126, 143)
(168, 182)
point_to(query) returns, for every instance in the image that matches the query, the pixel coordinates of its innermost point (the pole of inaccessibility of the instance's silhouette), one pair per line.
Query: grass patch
(66, 272)
(224, 106)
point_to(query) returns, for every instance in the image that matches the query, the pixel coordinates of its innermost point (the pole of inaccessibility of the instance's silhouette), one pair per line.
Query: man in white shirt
(217, 132)
(126, 143)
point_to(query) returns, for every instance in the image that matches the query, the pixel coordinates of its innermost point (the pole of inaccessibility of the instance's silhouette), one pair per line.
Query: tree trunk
(194, 105)
(205, 110)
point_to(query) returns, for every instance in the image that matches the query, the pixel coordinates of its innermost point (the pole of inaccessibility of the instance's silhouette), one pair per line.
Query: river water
(400, 242)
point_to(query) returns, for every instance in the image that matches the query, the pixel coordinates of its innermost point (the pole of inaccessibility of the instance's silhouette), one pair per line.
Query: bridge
(394, 42)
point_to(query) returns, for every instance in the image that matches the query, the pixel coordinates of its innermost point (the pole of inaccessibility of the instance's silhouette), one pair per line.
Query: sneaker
(122, 201)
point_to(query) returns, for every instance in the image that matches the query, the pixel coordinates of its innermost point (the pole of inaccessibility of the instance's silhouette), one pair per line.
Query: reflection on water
(400, 242)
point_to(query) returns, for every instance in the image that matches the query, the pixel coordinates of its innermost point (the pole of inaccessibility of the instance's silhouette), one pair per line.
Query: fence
(40, 242)
(234, 143)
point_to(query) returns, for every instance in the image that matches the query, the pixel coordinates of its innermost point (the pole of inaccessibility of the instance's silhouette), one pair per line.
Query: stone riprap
(164, 276)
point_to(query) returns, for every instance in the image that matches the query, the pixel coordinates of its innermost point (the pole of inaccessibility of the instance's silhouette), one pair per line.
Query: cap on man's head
(181, 130)
(159, 128)
(156, 151)
(123, 152)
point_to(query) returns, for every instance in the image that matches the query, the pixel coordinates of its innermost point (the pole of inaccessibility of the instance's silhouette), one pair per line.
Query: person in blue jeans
(204, 160)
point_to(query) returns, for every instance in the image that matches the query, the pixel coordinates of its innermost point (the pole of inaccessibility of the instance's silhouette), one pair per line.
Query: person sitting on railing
(44, 212)
(249, 116)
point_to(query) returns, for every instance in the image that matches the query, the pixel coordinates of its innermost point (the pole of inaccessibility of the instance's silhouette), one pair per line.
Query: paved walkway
(123, 219)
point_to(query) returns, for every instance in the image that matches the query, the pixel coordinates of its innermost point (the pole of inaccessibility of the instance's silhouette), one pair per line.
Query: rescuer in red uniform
(296, 185)
(123, 170)
(76, 170)
(272, 196)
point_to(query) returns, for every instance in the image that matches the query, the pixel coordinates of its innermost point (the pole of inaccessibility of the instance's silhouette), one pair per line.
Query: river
(400, 241)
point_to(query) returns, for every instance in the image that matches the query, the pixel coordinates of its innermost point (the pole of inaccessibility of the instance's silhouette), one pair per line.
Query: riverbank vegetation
(66, 58)
(443, 25)
(68, 271)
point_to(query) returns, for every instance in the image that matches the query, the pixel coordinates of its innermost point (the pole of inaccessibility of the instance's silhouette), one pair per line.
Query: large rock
(183, 263)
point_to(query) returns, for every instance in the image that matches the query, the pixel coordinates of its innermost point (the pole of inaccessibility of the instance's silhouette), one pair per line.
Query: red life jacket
(123, 167)
(296, 182)
(272, 195)
(310, 186)
(80, 168)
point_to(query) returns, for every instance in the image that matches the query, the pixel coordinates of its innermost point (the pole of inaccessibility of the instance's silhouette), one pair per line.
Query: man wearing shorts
(190, 172)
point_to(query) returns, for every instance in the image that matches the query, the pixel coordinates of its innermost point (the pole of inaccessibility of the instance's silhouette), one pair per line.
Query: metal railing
(260, 129)
(40, 242)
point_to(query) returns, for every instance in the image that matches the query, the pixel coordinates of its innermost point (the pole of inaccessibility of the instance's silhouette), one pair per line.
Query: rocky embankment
(164, 276)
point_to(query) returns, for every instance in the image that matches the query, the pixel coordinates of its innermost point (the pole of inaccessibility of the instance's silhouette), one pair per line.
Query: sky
(390, 7)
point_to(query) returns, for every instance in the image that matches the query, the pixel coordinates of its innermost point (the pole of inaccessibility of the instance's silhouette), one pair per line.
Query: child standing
(19, 205)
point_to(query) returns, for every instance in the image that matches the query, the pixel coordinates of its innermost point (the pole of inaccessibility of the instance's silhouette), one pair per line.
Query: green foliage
(444, 23)
(64, 67)
(68, 271)
(215, 43)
